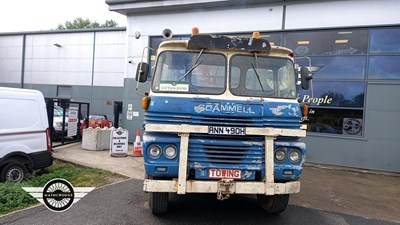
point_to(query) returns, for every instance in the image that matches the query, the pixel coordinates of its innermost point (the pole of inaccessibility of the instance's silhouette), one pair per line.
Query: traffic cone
(137, 146)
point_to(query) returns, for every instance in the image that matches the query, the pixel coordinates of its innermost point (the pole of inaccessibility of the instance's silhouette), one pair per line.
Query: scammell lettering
(224, 108)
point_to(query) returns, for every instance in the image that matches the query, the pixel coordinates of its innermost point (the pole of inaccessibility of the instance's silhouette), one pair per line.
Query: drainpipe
(93, 57)
(23, 61)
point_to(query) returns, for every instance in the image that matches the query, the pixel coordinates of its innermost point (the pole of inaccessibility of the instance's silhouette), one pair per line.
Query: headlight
(154, 151)
(170, 151)
(280, 154)
(294, 156)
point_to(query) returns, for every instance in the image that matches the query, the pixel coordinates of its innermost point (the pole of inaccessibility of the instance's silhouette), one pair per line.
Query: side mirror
(142, 72)
(305, 78)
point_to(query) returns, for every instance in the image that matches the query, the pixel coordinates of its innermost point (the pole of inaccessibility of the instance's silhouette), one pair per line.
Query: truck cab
(222, 116)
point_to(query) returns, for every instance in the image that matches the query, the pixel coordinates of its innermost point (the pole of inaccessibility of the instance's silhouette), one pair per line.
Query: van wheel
(13, 172)
(273, 204)
(158, 202)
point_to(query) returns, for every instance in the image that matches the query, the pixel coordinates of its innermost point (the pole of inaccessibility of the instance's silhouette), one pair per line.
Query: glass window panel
(385, 41)
(264, 77)
(334, 94)
(154, 44)
(235, 77)
(337, 67)
(273, 38)
(347, 122)
(345, 42)
(178, 72)
(384, 67)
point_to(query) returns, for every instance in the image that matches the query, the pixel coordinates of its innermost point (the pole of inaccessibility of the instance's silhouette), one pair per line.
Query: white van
(24, 133)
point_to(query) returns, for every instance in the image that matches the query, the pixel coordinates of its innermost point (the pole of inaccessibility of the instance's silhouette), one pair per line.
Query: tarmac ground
(366, 193)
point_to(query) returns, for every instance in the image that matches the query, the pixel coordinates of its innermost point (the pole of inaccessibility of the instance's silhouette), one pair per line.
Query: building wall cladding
(90, 63)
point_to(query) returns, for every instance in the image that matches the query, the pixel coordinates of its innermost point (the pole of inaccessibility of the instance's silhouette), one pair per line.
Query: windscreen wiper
(258, 76)
(196, 64)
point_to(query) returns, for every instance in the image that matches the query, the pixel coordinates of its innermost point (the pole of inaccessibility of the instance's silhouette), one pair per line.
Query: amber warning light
(195, 30)
(305, 109)
(146, 102)
(256, 35)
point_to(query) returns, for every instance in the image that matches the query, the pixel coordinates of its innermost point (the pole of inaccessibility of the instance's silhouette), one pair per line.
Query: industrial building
(353, 44)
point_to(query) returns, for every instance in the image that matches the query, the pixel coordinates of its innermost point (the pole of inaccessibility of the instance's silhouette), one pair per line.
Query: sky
(37, 15)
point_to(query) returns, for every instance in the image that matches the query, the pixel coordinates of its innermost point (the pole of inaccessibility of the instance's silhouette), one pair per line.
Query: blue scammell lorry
(222, 116)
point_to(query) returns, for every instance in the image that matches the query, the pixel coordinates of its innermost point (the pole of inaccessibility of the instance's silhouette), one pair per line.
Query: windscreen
(262, 77)
(190, 72)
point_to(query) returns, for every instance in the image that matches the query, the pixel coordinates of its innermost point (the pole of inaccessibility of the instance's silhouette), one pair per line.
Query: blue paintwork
(221, 151)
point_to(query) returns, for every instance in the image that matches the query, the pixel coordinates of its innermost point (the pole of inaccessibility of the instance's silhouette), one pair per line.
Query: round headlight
(280, 155)
(154, 151)
(170, 151)
(294, 156)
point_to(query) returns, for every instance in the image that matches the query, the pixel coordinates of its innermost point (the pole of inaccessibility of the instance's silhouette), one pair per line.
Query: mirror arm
(140, 71)
(309, 76)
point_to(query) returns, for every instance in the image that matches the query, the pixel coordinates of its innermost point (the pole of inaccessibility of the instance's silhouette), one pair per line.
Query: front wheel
(273, 204)
(158, 202)
(13, 172)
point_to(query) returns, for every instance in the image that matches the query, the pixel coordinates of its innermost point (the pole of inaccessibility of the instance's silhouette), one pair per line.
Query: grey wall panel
(110, 65)
(10, 58)
(382, 124)
(108, 93)
(130, 97)
(70, 64)
(382, 118)
(110, 59)
(113, 51)
(10, 65)
(113, 38)
(99, 107)
(11, 41)
(13, 85)
(50, 51)
(59, 65)
(10, 76)
(49, 91)
(370, 154)
(342, 13)
(64, 39)
(81, 93)
(58, 78)
(10, 52)
(335, 151)
(114, 79)
(211, 21)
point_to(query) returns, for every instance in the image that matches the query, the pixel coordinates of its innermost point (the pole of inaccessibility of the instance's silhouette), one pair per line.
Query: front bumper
(237, 187)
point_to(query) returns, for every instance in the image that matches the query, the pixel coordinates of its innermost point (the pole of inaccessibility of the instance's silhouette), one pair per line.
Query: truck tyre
(158, 202)
(274, 204)
(13, 172)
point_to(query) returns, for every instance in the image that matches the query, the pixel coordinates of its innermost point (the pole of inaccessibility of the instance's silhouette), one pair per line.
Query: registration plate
(227, 130)
(224, 173)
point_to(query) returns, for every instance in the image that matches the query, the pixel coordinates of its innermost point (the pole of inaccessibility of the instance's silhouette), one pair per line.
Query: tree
(79, 23)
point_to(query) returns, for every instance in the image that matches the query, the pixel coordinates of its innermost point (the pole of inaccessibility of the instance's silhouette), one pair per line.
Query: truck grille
(175, 118)
(230, 152)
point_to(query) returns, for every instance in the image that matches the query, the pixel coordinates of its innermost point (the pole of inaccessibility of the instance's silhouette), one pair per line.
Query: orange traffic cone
(137, 146)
